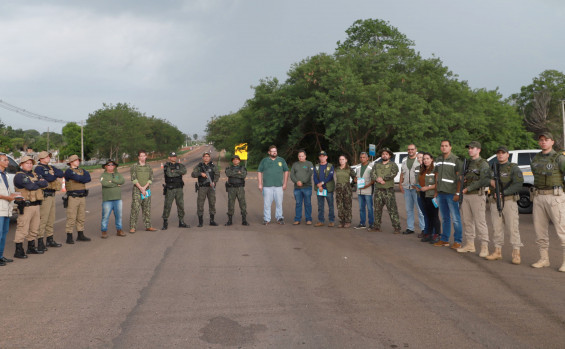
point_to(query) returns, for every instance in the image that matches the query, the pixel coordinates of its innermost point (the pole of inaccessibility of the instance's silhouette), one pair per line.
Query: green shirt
(302, 171)
(342, 175)
(111, 186)
(273, 171)
(387, 172)
(141, 174)
(410, 162)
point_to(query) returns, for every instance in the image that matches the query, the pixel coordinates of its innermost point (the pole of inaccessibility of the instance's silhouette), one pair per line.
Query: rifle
(462, 182)
(497, 189)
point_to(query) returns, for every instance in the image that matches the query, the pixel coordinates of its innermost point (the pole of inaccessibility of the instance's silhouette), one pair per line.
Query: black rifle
(498, 189)
(462, 182)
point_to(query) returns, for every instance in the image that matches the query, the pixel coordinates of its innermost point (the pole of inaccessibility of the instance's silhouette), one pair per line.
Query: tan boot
(543, 260)
(104, 235)
(497, 254)
(469, 247)
(516, 256)
(484, 250)
(562, 269)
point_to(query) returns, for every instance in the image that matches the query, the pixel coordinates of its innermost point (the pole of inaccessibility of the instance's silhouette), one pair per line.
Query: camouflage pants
(386, 197)
(239, 194)
(177, 195)
(145, 206)
(343, 201)
(203, 193)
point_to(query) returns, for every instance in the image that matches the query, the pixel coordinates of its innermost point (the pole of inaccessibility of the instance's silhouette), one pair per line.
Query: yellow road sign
(241, 150)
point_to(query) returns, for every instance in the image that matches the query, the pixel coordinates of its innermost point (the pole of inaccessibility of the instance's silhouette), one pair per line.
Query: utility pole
(47, 140)
(82, 141)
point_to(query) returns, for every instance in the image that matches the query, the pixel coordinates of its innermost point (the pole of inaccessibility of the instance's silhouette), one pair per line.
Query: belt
(49, 193)
(384, 189)
(544, 191)
(33, 203)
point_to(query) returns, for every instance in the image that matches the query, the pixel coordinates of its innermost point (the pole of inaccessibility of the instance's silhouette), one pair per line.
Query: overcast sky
(188, 60)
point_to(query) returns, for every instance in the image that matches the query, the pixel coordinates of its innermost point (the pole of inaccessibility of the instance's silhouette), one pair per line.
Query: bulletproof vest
(56, 184)
(73, 185)
(176, 182)
(546, 171)
(31, 195)
(235, 180)
(473, 172)
(505, 173)
(209, 170)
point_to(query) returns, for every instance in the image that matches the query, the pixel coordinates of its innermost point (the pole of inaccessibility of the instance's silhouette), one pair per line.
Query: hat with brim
(547, 135)
(43, 155)
(110, 161)
(386, 150)
(26, 158)
(502, 149)
(72, 158)
(323, 153)
(235, 157)
(172, 154)
(473, 144)
(206, 153)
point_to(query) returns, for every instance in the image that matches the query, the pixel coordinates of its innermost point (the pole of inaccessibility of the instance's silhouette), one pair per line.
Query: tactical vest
(330, 186)
(209, 170)
(473, 172)
(73, 185)
(505, 173)
(173, 182)
(546, 171)
(238, 182)
(31, 195)
(56, 184)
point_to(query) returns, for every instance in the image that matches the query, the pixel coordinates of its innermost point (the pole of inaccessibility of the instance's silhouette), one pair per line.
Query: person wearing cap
(29, 184)
(476, 183)
(235, 186)
(174, 185)
(511, 180)
(325, 187)
(208, 175)
(409, 170)
(76, 179)
(142, 177)
(301, 175)
(111, 181)
(53, 176)
(382, 175)
(272, 178)
(548, 168)
(447, 168)
(7, 197)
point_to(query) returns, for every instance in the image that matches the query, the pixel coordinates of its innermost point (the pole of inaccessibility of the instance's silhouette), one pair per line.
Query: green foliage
(72, 139)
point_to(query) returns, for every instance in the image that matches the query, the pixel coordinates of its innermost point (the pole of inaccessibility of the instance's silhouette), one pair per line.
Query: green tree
(72, 139)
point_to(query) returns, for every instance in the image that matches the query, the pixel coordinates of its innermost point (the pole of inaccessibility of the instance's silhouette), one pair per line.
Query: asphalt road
(275, 286)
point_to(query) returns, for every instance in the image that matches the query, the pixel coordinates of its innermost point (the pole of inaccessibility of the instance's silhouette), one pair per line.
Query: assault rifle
(498, 189)
(462, 181)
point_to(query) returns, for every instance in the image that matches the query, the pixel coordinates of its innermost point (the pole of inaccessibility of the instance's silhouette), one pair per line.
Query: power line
(29, 114)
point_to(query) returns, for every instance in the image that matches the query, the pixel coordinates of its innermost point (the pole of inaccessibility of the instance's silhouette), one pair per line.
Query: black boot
(244, 220)
(20, 253)
(200, 221)
(31, 248)
(165, 224)
(229, 220)
(70, 240)
(212, 221)
(52, 243)
(41, 245)
(182, 224)
(81, 237)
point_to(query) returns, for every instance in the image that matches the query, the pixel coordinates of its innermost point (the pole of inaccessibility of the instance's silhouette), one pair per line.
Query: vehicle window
(402, 156)
(524, 159)
(12, 167)
(491, 161)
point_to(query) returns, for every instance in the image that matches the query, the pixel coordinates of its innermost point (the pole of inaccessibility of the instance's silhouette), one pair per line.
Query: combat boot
(484, 250)
(104, 235)
(562, 269)
(516, 256)
(469, 247)
(165, 224)
(496, 255)
(229, 220)
(70, 240)
(81, 237)
(52, 243)
(543, 260)
(182, 224)
(120, 232)
(31, 248)
(20, 253)
(212, 223)
(200, 221)
(40, 245)
(244, 220)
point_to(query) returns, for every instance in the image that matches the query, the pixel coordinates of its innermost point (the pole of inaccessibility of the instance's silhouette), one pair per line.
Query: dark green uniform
(343, 193)
(384, 194)
(174, 189)
(236, 188)
(205, 190)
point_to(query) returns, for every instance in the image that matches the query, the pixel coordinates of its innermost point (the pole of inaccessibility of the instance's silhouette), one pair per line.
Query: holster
(65, 201)
(164, 189)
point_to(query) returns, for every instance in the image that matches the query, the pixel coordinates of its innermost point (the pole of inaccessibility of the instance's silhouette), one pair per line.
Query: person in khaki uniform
(76, 179)
(52, 175)
(511, 181)
(29, 184)
(477, 180)
(548, 167)
(382, 175)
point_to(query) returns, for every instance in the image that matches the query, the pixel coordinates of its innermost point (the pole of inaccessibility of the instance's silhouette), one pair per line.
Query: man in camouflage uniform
(208, 175)
(548, 167)
(236, 189)
(142, 177)
(173, 190)
(52, 175)
(511, 181)
(383, 174)
(477, 180)
(76, 179)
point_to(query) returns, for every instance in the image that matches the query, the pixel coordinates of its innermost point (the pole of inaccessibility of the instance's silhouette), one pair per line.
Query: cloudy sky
(188, 60)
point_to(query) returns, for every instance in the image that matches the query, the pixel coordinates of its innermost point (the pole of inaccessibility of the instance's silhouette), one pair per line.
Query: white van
(398, 157)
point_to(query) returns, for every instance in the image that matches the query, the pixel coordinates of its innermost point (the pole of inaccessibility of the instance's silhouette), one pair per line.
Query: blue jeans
(449, 210)
(303, 195)
(321, 201)
(366, 202)
(410, 200)
(270, 194)
(107, 208)
(4, 227)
